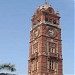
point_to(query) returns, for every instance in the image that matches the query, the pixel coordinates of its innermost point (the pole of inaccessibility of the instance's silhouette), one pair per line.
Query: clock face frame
(52, 32)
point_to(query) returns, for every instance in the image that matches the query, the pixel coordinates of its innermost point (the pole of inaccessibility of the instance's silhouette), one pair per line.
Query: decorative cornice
(45, 22)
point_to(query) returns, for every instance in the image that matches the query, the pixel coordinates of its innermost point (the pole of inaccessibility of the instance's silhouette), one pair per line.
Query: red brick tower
(45, 54)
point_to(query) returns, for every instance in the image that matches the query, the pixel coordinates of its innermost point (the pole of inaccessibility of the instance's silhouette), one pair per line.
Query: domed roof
(45, 6)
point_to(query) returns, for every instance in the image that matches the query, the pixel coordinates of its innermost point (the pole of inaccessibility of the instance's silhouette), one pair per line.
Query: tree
(8, 67)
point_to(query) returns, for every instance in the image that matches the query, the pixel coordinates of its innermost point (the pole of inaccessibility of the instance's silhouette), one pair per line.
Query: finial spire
(45, 1)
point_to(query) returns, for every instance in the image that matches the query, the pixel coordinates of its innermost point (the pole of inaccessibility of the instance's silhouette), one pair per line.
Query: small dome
(45, 6)
(57, 13)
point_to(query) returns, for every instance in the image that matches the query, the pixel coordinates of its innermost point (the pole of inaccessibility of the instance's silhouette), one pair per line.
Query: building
(45, 54)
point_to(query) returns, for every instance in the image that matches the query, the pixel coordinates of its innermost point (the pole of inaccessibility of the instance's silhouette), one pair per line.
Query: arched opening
(54, 22)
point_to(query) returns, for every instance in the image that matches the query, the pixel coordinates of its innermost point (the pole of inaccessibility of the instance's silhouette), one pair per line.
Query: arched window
(50, 20)
(46, 19)
(34, 65)
(51, 10)
(54, 22)
(52, 65)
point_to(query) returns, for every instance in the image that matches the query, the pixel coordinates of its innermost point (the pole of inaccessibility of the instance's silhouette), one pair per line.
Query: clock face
(52, 32)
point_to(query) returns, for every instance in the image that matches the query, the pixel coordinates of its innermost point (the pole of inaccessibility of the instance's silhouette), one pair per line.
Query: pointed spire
(45, 5)
(45, 1)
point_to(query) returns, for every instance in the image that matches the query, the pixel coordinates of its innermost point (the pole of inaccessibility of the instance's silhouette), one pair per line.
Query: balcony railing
(52, 54)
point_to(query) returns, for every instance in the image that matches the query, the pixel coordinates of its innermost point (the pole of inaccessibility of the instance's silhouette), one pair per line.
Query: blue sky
(15, 23)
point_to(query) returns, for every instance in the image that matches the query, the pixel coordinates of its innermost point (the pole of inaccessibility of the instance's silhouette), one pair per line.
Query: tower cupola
(45, 14)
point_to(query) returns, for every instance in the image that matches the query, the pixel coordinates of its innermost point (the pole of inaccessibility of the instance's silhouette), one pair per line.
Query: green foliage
(8, 67)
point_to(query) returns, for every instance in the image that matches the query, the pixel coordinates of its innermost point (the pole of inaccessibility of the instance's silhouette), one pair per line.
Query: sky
(15, 24)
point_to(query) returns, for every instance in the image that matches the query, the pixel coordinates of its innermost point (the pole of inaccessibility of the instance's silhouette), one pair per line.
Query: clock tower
(45, 53)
